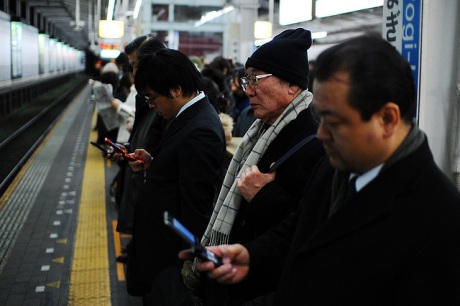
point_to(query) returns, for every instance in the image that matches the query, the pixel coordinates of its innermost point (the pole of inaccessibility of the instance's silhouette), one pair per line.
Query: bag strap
(283, 158)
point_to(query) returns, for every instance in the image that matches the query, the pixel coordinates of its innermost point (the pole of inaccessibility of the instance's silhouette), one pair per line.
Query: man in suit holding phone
(181, 173)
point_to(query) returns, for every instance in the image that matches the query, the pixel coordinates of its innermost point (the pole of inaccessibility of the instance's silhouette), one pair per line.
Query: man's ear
(293, 88)
(390, 117)
(176, 92)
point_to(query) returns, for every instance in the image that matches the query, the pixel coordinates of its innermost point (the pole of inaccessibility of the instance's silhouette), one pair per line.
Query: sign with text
(402, 24)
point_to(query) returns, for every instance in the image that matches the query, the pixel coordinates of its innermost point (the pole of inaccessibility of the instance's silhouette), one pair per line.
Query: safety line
(90, 276)
(117, 244)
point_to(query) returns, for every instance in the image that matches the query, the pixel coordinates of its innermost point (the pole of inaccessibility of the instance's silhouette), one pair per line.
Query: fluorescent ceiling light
(111, 29)
(213, 15)
(326, 8)
(262, 29)
(109, 53)
(295, 11)
(137, 8)
(110, 9)
(317, 35)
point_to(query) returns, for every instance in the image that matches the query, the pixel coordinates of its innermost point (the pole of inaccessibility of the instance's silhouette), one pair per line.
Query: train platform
(58, 244)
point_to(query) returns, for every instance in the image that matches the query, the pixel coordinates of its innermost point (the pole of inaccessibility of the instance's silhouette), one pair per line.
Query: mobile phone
(118, 149)
(99, 147)
(197, 249)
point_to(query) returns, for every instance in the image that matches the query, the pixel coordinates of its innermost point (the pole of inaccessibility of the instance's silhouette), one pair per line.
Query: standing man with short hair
(181, 174)
(145, 133)
(395, 239)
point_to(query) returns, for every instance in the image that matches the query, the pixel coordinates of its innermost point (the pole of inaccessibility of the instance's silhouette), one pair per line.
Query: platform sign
(402, 24)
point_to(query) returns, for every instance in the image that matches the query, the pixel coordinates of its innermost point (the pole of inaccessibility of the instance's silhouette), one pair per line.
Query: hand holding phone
(197, 249)
(120, 150)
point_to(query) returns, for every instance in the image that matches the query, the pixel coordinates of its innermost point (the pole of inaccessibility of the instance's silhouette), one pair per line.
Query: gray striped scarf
(248, 153)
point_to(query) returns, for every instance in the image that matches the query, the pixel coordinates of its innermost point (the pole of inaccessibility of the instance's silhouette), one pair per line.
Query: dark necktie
(351, 191)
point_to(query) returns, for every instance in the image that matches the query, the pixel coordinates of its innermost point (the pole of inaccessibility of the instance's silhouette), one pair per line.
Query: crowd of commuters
(331, 197)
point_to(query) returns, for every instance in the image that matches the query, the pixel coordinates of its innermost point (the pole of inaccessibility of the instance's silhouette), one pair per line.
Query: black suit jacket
(181, 179)
(396, 242)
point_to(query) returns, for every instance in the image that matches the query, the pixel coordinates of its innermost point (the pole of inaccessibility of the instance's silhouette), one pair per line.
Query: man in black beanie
(253, 197)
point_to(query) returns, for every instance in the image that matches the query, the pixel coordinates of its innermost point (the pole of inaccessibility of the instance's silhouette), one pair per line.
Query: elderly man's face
(269, 99)
(350, 143)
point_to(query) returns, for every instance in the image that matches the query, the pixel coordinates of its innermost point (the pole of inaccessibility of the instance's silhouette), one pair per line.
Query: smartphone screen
(198, 250)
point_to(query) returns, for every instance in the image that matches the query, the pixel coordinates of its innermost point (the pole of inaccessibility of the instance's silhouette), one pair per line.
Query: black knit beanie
(285, 56)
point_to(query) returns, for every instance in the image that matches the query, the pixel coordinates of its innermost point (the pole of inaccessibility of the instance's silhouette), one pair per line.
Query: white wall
(439, 72)
(5, 50)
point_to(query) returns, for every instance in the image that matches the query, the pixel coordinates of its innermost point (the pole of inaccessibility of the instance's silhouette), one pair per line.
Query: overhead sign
(111, 29)
(402, 24)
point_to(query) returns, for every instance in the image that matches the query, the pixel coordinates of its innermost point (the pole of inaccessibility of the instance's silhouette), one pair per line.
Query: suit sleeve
(200, 161)
(267, 255)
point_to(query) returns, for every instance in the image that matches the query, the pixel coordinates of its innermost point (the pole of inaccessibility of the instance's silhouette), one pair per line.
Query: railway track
(23, 130)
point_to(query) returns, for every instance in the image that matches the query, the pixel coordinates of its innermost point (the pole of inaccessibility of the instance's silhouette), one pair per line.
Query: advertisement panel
(402, 26)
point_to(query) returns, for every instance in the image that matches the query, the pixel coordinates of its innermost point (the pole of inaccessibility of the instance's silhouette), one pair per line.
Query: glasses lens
(244, 83)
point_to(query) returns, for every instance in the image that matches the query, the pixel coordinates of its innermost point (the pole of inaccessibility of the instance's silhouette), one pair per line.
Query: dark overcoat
(276, 199)
(396, 242)
(181, 179)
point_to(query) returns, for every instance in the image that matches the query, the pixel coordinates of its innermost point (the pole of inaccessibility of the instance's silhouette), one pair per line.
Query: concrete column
(249, 15)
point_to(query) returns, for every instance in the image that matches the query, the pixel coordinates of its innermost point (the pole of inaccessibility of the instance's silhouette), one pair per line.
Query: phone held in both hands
(117, 149)
(197, 249)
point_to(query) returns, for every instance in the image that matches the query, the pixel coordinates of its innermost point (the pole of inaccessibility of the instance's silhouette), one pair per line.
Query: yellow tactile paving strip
(90, 279)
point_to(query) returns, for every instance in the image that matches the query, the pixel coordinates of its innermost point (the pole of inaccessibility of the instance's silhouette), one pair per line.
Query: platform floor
(58, 242)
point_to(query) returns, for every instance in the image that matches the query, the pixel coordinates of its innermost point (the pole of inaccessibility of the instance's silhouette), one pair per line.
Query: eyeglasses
(150, 100)
(252, 80)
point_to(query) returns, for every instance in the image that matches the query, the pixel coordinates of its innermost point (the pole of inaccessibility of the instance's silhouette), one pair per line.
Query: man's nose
(322, 132)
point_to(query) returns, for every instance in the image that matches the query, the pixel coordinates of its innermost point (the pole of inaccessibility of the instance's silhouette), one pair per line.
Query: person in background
(253, 198)
(221, 105)
(242, 113)
(379, 224)
(125, 111)
(108, 76)
(223, 77)
(181, 173)
(244, 122)
(145, 132)
(241, 99)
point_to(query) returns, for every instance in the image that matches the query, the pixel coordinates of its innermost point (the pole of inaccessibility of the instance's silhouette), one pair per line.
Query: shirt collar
(366, 177)
(191, 102)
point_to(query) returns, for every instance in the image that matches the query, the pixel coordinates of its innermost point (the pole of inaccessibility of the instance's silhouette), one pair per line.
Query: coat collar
(376, 200)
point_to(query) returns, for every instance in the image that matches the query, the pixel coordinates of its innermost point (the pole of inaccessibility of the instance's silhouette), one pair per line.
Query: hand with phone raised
(196, 248)
(234, 267)
(118, 149)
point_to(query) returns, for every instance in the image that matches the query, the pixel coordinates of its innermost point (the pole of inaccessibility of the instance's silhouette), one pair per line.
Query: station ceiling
(72, 21)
